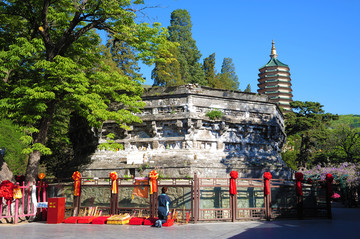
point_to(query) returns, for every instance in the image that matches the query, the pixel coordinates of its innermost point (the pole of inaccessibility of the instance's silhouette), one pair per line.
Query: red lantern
(41, 176)
(267, 177)
(234, 176)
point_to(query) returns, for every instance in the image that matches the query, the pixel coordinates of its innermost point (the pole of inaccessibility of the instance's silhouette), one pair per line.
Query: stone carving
(175, 128)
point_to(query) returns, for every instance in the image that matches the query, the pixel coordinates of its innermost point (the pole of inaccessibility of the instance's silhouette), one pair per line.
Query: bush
(9, 139)
(214, 114)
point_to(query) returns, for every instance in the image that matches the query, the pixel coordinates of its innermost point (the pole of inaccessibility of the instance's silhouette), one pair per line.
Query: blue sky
(318, 39)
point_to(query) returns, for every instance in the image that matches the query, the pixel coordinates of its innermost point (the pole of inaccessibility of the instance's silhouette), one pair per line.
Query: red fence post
(153, 204)
(299, 194)
(267, 191)
(44, 199)
(114, 193)
(153, 183)
(196, 199)
(77, 192)
(329, 192)
(233, 194)
(233, 207)
(16, 211)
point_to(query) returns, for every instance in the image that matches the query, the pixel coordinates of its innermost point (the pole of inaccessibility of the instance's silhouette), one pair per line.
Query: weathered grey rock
(177, 138)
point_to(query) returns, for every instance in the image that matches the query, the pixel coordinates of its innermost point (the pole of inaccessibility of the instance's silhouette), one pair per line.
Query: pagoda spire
(273, 50)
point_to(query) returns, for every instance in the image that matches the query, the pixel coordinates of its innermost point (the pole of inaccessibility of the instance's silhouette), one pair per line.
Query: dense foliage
(9, 140)
(352, 121)
(347, 174)
(180, 64)
(306, 125)
(228, 78)
(51, 59)
(210, 73)
(188, 54)
(315, 137)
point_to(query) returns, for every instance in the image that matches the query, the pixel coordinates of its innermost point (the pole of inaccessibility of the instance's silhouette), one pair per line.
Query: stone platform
(179, 137)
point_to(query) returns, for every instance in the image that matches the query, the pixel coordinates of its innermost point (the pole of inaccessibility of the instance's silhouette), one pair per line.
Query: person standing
(163, 207)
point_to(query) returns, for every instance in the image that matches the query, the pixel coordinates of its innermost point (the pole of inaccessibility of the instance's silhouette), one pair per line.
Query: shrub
(214, 114)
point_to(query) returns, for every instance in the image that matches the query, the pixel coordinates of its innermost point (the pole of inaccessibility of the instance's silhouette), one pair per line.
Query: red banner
(76, 177)
(114, 186)
(141, 189)
(234, 175)
(153, 175)
(267, 177)
(299, 177)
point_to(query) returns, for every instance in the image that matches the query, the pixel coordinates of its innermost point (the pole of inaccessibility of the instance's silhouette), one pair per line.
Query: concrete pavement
(344, 225)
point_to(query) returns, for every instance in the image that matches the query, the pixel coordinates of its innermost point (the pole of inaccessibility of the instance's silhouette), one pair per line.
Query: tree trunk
(5, 172)
(34, 160)
(33, 166)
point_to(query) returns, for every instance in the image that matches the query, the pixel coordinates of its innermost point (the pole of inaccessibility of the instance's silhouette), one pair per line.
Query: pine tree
(248, 89)
(167, 67)
(189, 55)
(124, 57)
(210, 72)
(228, 77)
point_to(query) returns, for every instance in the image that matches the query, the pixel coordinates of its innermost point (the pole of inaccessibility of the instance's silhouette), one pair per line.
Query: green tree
(350, 120)
(342, 145)
(167, 67)
(307, 120)
(229, 79)
(125, 57)
(53, 60)
(291, 150)
(210, 73)
(71, 141)
(248, 88)
(9, 139)
(189, 55)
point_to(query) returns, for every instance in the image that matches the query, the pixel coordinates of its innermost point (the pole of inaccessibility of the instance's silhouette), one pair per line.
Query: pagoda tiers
(275, 82)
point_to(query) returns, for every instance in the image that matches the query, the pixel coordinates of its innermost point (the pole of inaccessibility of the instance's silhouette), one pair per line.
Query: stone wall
(177, 138)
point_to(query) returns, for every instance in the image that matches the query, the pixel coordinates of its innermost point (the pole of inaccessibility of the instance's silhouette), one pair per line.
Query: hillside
(351, 120)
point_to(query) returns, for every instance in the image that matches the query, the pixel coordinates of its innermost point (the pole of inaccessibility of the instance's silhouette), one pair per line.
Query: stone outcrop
(179, 137)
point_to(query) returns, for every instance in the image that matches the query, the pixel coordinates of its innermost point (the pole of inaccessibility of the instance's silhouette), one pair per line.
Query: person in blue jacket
(163, 207)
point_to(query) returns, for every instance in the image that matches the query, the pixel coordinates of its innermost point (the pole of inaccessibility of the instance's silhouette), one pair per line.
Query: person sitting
(163, 207)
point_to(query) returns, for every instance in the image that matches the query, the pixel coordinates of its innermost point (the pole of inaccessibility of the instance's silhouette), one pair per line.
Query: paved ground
(344, 225)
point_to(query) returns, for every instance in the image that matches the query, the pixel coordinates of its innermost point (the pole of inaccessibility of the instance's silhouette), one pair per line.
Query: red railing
(25, 206)
(206, 198)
